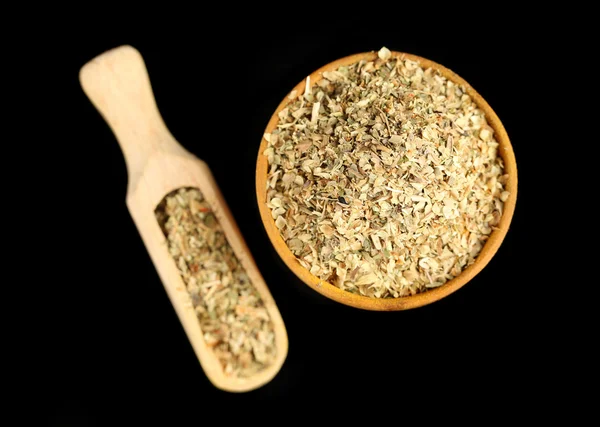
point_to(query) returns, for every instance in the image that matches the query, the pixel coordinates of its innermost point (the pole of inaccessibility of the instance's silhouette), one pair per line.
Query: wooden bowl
(402, 303)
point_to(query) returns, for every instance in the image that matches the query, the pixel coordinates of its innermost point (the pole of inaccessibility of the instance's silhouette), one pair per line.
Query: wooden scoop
(118, 85)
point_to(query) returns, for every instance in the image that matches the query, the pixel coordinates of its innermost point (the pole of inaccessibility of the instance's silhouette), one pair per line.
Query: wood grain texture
(391, 304)
(117, 83)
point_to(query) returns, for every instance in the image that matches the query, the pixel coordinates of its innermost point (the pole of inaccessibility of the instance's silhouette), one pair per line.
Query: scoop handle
(117, 84)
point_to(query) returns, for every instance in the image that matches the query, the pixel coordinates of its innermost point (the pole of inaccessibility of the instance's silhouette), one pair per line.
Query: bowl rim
(331, 291)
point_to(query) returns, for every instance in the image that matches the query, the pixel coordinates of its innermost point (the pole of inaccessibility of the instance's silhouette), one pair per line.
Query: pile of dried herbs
(232, 315)
(384, 177)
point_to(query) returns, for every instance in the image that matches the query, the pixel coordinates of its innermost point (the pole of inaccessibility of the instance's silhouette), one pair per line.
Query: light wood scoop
(118, 85)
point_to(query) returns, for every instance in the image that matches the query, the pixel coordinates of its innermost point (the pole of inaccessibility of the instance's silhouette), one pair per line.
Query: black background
(117, 349)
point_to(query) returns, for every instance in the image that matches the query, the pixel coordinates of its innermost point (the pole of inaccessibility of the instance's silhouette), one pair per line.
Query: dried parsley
(232, 315)
(384, 177)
